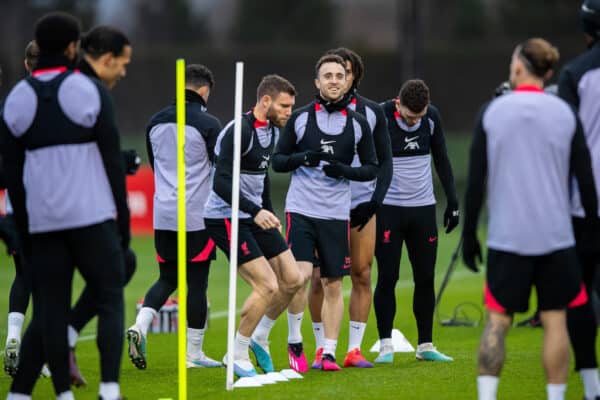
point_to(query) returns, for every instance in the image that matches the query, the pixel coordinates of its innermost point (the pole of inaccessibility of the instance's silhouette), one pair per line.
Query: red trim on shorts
(205, 253)
(48, 70)
(160, 259)
(580, 299)
(228, 228)
(288, 219)
(490, 301)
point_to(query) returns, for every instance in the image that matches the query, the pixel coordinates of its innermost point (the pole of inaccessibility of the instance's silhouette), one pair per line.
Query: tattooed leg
(556, 346)
(491, 346)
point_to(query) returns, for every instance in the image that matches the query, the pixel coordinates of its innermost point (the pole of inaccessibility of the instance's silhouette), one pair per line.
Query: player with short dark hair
(408, 215)
(318, 146)
(367, 197)
(579, 85)
(264, 260)
(105, 53)
(58, 230)
(525, 147)
(201, 130)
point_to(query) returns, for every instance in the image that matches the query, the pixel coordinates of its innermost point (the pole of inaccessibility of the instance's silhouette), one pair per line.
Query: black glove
(130, 264)
(471, 251)
(313, 158)
(131, 160)
(362, 214)
(335, 169)
(451, 217)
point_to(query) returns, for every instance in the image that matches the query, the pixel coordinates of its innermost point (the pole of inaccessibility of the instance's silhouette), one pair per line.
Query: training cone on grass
(277, 376)
(291, 374)
(264, 379)
(247, 382)
(399, 341)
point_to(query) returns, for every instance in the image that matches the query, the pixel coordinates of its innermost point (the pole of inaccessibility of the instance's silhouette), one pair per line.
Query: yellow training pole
(181, 233)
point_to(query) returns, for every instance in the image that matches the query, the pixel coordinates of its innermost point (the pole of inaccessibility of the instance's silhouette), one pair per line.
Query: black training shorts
(330, 238)
(253, 241)
(510, 277)
(200, 247)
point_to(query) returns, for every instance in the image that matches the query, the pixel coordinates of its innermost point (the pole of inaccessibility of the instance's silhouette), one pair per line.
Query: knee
(296, 284)
(268, 288)
(332, 287)
(316, 286)
(361, 278)
(424, 280)
(387, 279)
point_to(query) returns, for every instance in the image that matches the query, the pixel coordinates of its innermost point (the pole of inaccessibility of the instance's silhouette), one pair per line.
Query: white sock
(18, 396)
(195, 339)
(72, 334)
(263, 329)
(15, 324)
(319, 332)
(109, 390)
(487, 387)
(556, 391)
(294, 327)
(357, 331)
(387, 342)
(67, 395)
(329, 346)
(591, 383)
(144, 319)
(240, 347)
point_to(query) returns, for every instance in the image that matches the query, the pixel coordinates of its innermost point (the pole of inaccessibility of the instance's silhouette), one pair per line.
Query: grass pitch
(522, 378)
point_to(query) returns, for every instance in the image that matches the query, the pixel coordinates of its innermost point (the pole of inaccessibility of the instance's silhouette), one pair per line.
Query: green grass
(522, 377)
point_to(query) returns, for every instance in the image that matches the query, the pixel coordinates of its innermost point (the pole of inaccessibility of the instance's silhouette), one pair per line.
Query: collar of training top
(193, 97)
(528, 88)
(332, 107)
(51, 61)
(87, 69)
(256, 123)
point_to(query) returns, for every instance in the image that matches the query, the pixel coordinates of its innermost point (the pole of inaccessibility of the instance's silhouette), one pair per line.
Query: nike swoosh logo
(408, 140)
(327, 141)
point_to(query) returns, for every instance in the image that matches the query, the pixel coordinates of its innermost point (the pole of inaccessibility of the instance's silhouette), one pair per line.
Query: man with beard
(319, 144)
(264, 260)
(105, 54)
(367, 197)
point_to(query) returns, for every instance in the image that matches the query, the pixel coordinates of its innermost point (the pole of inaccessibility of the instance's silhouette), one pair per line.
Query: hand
(362, 214)
(267, 220)
(335, 169)
(471, 251)
(132, 161)
(451, 217)
(313, 158)
(130, 263)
